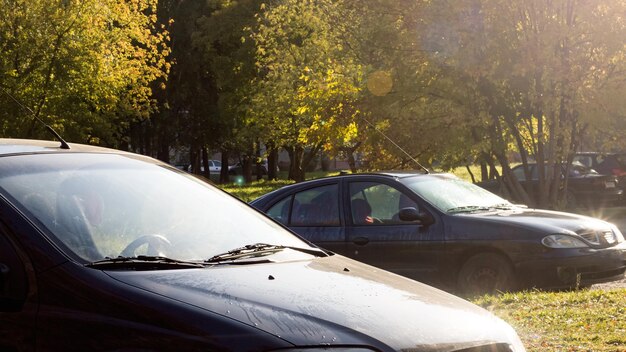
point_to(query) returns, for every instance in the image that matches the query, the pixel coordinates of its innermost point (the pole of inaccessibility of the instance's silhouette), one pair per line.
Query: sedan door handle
(361, 241)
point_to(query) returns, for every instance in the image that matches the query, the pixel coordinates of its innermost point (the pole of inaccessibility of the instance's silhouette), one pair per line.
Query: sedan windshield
(453, 195)
(109, 205)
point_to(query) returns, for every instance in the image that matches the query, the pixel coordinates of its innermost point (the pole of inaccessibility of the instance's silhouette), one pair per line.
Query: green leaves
(83, 66)
(307, 83)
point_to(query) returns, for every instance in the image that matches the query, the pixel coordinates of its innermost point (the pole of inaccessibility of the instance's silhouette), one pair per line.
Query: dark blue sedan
(444, 231)
(102, 250)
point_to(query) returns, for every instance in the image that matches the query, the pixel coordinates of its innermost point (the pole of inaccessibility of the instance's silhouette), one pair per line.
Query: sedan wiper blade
(145, 262)
(467, 209)
(259, 249)
(246, 251)
(503, 206)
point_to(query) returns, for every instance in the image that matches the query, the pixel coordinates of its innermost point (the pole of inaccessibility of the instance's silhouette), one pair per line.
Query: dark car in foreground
(444, 231)
(103, 250)
(585, 186)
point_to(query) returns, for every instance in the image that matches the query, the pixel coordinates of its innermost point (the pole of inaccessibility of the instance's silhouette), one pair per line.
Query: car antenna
(64, 144)
(396, 145)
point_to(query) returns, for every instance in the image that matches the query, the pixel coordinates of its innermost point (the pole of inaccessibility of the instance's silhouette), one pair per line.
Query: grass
(586, 320)
(250, 191)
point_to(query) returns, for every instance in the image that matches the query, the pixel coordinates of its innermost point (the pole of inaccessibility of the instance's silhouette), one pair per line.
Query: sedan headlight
(563, 241)
(618, 234)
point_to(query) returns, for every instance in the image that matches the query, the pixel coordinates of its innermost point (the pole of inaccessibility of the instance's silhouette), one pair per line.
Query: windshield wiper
(467, 209)
(144, 262)
(260, 249)
(503, 206)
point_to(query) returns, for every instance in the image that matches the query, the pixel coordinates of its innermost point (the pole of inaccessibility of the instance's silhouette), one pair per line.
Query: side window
(316, 207)
(583, 159)
(519, 174)
(534, 173)
(377, 203)
(600, 158)
(13, 280)
(280, 211)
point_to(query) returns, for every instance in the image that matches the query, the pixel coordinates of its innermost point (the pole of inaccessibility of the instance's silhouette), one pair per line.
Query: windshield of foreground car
(453, 195)
(110, 205)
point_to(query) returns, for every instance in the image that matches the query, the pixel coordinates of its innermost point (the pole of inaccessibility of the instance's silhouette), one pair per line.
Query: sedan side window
(377, 203)
(583, 159)
(519, 174)
(314, 207)
(280, 211)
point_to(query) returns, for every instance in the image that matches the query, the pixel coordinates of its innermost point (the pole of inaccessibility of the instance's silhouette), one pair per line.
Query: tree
(488, 77)
(307, 80)
(84, 67)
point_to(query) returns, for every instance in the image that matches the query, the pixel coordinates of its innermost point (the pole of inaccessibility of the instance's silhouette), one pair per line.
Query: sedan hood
(330, 301)
(543, 221)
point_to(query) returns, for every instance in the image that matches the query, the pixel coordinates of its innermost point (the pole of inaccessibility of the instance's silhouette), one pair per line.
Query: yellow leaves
(301, 110)
(350, 132)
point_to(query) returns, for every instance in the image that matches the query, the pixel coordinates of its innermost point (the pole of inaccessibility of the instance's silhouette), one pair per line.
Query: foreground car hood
(546, 221)
(332, 300)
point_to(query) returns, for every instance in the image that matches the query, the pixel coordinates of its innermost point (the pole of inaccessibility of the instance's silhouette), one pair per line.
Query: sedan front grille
(599, 238)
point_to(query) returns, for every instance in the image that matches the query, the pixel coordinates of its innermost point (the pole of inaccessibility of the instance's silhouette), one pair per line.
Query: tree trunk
(259, 161)
(296, 154)
(351, 160)
(194, 158)
(517, 191)
(246, 168)
(469, 171)
(272, 162)
(205, 162)
(224, 178)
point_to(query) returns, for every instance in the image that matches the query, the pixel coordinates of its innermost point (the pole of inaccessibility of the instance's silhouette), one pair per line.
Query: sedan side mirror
(412, 214)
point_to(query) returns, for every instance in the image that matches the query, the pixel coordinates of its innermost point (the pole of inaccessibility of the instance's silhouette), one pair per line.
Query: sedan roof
(9, 146)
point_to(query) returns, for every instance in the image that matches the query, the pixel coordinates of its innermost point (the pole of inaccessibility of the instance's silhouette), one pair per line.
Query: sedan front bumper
(572, 268)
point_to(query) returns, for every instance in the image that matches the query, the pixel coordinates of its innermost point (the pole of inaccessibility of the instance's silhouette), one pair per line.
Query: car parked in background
(102, 250)
(237, 169)
(441, 230)
(605, 163)
(585, 186)
(215, 166)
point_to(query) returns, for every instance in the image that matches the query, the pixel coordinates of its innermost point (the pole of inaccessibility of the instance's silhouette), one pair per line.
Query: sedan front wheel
(485, 273)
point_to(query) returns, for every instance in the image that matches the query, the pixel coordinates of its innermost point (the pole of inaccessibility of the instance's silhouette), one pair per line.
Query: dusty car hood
(331, 300)
(545, 221)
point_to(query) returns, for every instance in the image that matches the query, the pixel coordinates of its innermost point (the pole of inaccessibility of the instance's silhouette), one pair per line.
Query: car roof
(599, 153)
(11, 146)
(402, 174)
(388, 174)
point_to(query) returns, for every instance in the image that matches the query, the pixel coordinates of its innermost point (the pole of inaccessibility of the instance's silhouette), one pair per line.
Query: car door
(376, 235)
(17, 308)
(314, 214)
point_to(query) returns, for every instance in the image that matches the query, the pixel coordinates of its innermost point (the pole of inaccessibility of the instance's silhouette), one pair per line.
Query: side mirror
(411, 214)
